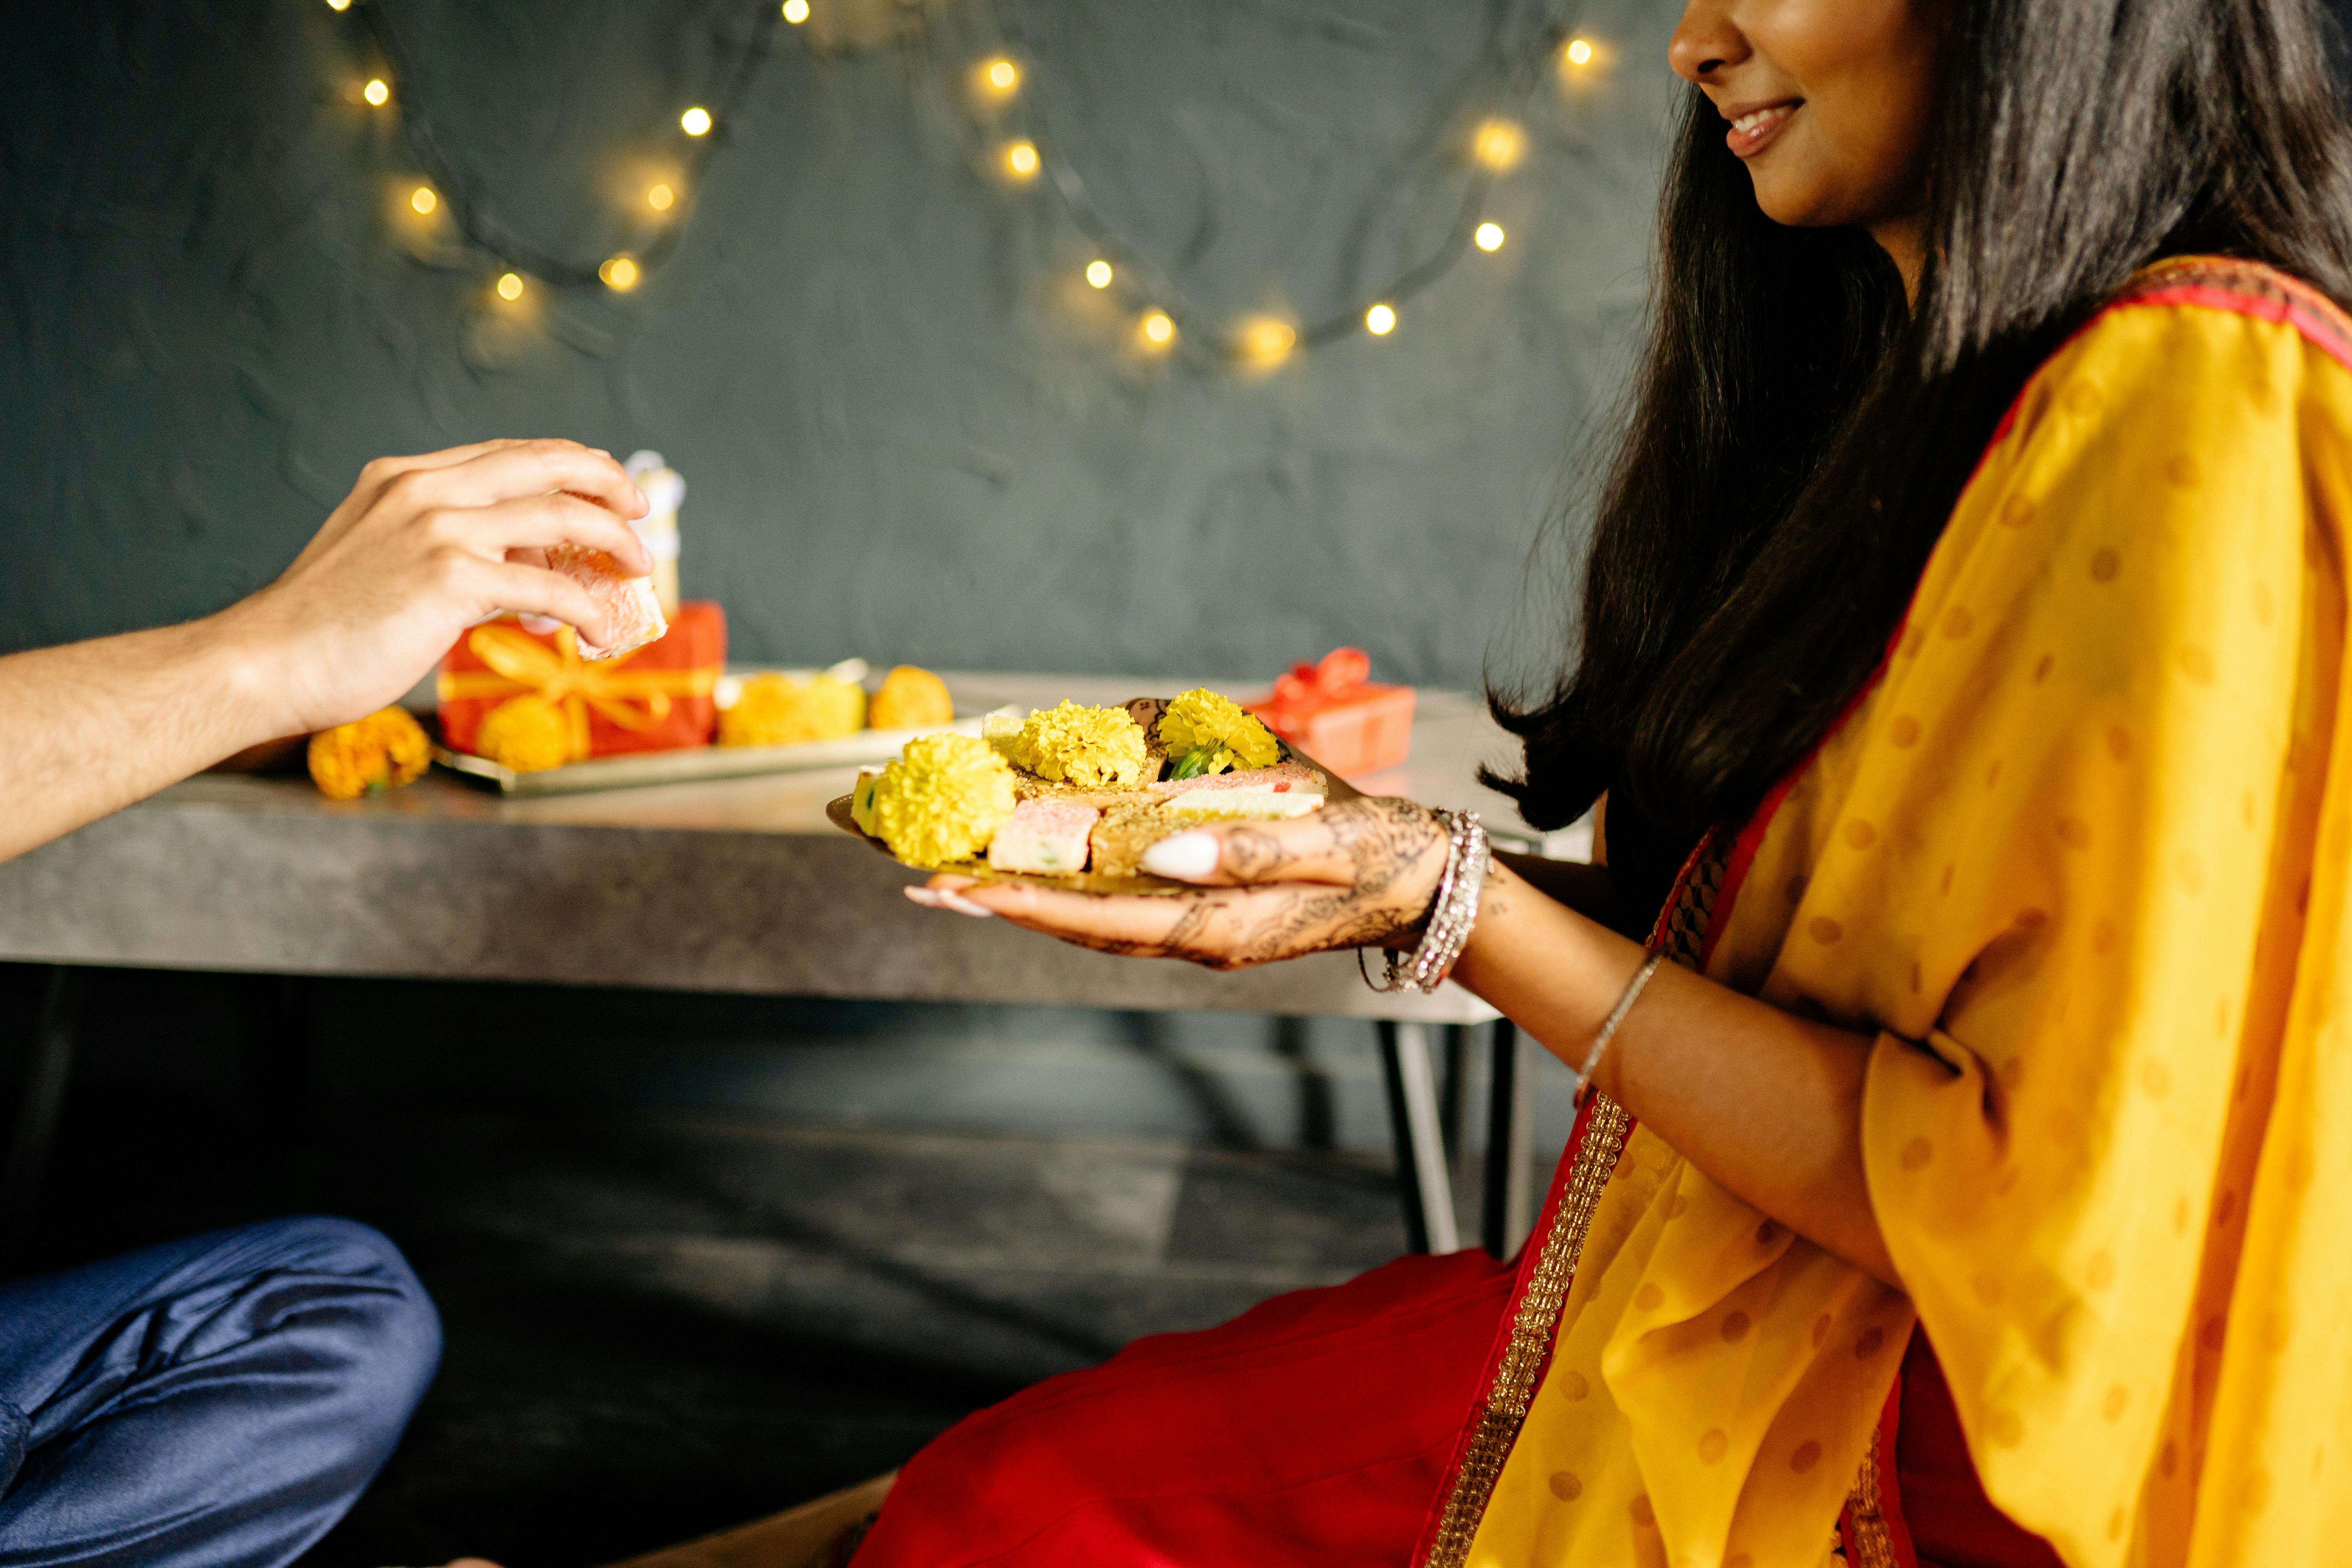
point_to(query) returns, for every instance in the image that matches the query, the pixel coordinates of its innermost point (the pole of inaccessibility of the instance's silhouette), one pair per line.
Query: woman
(1965, 618)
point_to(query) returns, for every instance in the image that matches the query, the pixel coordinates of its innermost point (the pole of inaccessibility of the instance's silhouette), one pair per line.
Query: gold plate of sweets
(1072, 796)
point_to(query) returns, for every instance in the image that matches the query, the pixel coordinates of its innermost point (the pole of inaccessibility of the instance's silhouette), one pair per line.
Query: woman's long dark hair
(1797, 439)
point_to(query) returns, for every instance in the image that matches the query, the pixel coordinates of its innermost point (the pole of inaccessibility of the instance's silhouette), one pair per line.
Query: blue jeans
(214, 1402)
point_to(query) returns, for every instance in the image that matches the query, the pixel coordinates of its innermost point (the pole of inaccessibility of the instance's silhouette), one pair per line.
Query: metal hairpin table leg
(1509, 1212)
(1422, 1179)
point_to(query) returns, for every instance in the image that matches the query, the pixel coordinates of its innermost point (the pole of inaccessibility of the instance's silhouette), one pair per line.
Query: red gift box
(655, 700)
(1332, 713)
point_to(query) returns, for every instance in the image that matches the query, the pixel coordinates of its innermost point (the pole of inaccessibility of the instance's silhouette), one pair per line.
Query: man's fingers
(535, 523)
(536, 591)
(523, 469)
(1240, 854)
(376, 475)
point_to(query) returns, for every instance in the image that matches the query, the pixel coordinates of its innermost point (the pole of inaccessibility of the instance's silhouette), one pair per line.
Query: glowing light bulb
(1267, 342)
(1380, 321)
(1004, 75)
(1099, 274)
(795, 11)
(509, 285)
(1500, 144)
(338, 4)
(1021, 159)
(377, 91)
(660, 197)
(620, 274)
(1159, 330)
(423, 199)
(1580, 52)
(695, 120)
(1489, 237)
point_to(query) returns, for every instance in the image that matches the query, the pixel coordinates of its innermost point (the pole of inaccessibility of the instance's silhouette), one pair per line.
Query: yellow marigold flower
(776, 709)
(942, 801)
(1096, 748)
(381, 751)
(912, 699)
(1201, 721)
(526, 733)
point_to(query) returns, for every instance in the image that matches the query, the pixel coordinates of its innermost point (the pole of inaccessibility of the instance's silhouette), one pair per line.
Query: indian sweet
(526, 733)
(779, 710)
(910, 699)
(1285, 789)
(631, 603)
(1047, 835)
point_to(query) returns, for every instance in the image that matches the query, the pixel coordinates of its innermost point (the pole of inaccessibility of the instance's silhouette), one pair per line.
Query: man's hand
(422, 549)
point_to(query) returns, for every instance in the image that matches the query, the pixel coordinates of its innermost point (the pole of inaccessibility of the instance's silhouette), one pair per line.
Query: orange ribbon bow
(520, 663)
(1338, 672)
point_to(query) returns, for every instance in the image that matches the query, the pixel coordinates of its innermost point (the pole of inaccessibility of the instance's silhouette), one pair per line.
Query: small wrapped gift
(529, 695)
(1332, 712)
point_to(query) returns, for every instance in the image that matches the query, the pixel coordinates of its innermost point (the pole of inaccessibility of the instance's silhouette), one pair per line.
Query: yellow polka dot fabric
(2079, 862)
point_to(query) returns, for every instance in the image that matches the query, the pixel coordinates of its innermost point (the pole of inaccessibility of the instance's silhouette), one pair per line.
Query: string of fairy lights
(1013, 137)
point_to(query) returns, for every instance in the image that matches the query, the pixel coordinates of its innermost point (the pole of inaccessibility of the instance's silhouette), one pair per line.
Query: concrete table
(741, 885)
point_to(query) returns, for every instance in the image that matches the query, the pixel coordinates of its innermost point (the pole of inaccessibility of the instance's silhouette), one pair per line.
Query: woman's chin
(1797, 204)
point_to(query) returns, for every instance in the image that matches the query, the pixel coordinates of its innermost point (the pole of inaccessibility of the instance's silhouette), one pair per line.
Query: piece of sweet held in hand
(383, 751)
(635, 609)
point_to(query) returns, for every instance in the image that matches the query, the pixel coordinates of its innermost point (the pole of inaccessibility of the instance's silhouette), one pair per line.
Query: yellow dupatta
(2080, 859)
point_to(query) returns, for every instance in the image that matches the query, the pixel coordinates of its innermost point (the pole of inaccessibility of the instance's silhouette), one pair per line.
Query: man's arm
(422, 549)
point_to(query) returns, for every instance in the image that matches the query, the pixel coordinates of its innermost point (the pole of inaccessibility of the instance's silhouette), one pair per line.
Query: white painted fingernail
(964, 906)
(924, 897)
(1185, 857)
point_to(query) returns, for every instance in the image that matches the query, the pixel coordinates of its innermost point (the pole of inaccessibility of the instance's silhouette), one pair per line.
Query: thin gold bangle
(1632, 994)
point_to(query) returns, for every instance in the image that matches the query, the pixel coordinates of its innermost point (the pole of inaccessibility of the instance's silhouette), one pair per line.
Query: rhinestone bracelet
(1452, 913)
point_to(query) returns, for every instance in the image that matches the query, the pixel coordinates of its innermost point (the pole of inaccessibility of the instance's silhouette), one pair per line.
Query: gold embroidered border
(1680, 935)
(1505, 1405)
(1874, 1544)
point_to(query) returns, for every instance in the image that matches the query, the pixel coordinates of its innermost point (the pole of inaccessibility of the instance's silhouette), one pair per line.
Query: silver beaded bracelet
(1452, 914)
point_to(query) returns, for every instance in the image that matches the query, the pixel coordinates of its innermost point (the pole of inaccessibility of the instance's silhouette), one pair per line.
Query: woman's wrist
(1532, 957)
(1429, 925)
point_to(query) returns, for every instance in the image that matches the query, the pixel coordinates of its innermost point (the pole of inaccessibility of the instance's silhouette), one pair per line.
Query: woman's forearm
(1587, 889)
(1766, 1103)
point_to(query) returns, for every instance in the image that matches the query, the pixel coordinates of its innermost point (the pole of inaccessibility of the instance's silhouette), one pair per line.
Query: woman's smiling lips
(1753, 126)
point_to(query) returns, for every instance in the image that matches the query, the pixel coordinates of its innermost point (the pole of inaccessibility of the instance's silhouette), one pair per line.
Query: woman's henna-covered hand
(1358, 873)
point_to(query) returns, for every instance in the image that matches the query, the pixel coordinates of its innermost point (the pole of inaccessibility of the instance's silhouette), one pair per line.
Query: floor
(699, 1259)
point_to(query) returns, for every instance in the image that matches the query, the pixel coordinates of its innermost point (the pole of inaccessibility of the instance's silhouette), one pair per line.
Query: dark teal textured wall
(910, 432)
